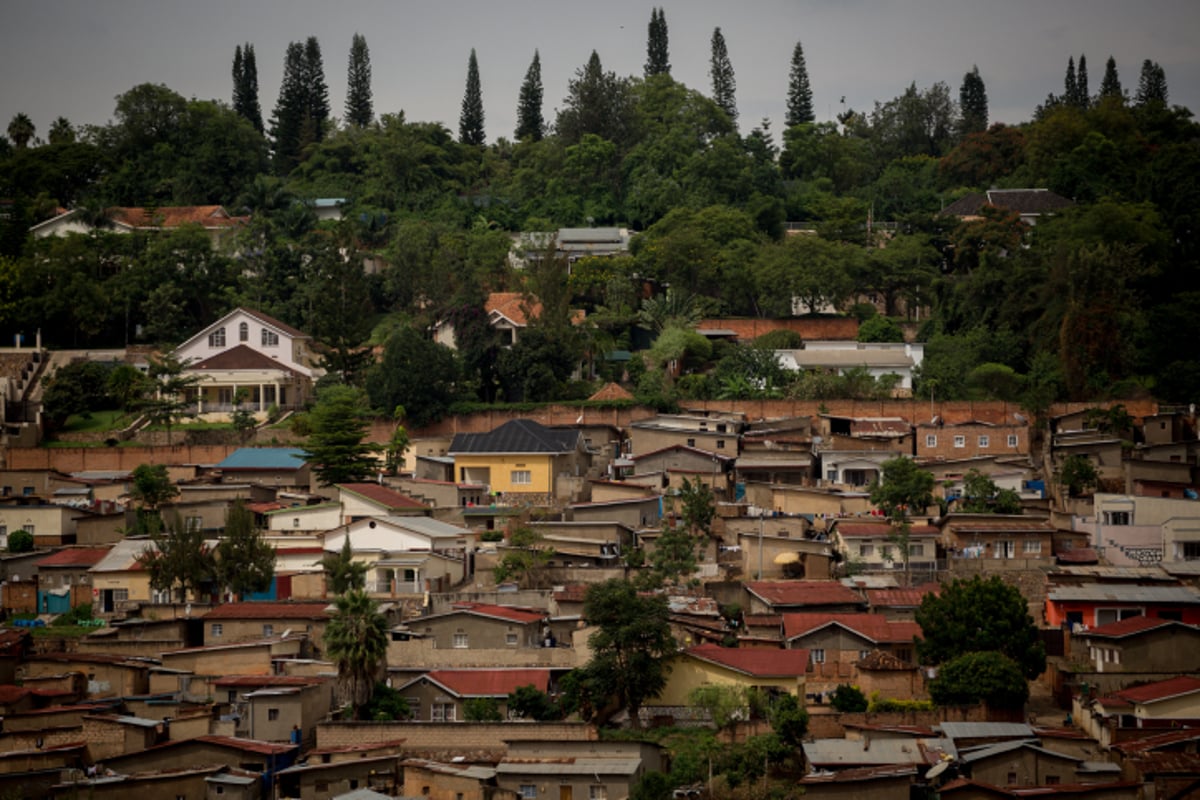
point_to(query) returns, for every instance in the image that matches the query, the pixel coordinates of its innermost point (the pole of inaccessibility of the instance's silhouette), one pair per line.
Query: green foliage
(470, 120)
(720, 70)
(847, 698)
(179, 560)
(79, 387)
(356, 641)
(525, 559)
(879, 329)
(336, 446)
(881, 704)
(1077, 475)
(482, 709)
(657, 59)
(386, 704)
(416, 373)
(245, 561)
(726, 704)
(151, 486)
(799, 96)
(359, 110)
(245, 85)
(903, 489)
(20, 541)
(974, 677)
(977, 615)
(530, 124)
(529, 702)
(789, 719)
(342, 573)
(652, 785)
(973, 104)
(982, 496)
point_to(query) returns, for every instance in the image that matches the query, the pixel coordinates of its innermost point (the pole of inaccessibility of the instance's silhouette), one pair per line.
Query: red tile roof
(804, 593)
(513, 305)
(612, 391)
(759, 662)
(382, 495)
(252, 610)
(174, 216)
(899, 598)
(75, 557)
(1129, 626)
(870, 626)
(511, 613)
(1160, 690)
(857, 529)
(489, 682)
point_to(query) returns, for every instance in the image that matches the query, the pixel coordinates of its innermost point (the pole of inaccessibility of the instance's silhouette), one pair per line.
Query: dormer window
(217, 338)
(244, 332)
(270, 338)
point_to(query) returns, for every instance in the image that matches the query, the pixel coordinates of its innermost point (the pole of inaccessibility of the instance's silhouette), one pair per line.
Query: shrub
(20, 542)
(848, 698)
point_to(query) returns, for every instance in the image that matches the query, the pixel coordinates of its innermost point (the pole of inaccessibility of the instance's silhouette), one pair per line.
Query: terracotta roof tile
(1129, 626)
(1160, 690)
(612, 391)
(871, 626)
(759, 662)
(388, 498)
(75, 557)
(489, 682)
(804, 593)
(512, 613)
(174, 216)
(252, 610)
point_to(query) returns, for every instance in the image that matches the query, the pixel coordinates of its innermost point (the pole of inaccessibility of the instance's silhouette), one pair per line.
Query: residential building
(65, 578)
(215, 220)
(772, 671)
(851, 451)
(521, 458)
(1139, 644)
(877, 546)
(442, 695)
(565, 770)
(1005, 537)
(474, 626)
(1029, 204)
(1096, 604)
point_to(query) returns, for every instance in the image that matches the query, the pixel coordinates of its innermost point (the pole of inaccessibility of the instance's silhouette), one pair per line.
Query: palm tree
(21, 129)
(356, 640)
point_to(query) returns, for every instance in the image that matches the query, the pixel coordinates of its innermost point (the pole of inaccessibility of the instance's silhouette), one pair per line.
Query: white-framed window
(930, 440)
(217, 338)
(1117, 518)
(818, 655)
(1190, 551)
(120, 595)
(243, 331)
(521, 477)
(511, 639)
(268, 629)
(916, 550)
(597, 791)
(984, 440)
(270, 338)
(960, 441)
(1032, 547)
(866, 550)
(441, 712)
(217, 629)
(1012, 440)
(460, 641)
(528, 791)
(28, 527)
(414, 706)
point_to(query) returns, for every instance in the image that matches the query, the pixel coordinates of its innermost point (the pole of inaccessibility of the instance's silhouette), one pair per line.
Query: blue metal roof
(264, 458)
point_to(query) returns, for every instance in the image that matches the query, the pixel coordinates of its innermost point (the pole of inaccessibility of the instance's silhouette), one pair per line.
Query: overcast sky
(72, 57)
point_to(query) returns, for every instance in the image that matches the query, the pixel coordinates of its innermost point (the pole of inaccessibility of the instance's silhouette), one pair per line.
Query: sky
(71, 58)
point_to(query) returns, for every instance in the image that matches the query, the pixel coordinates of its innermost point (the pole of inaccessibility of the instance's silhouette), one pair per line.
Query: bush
(879, 703)
(848, 698)
(20, 542)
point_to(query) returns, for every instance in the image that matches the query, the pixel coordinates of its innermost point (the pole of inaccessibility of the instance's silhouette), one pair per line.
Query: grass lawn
(98, 421)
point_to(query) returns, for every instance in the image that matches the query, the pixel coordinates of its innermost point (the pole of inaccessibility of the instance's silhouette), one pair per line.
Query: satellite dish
(937, 769)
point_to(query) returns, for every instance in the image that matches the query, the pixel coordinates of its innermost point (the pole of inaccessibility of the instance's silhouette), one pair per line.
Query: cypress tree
(358, 84)
(470, 121)
(657, 59)
(316, 93)
(799, 98)
(245, 85)
(1152, 85)
(530, 124)
(288, 118)
(1111, 85)
(1070, 88)
(973, 103)
(721, 72)
(1083, 97)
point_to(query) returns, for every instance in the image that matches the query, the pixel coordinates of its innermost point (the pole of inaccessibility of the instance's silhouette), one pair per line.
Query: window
(295, 522)
(195, 523)
(120, 595)
(1032, 547)
(1012, 778)
(916, 550)
(985, 441)
(269, 338)
(866, 550)
(1117, 518)
(521, 477)
(460, 641)
(885, 553)
(597, 792)
(414, 707)
(818, 656)
(268, 629)
(930, 440)
(691, 442)
(27, 527)
(217, 338)
(528, 791)
(862, 654)
(441, 712)
(243, 331)
(1012, 440)
(1191, 551)
(960, 441)
(272, 714)
(510, 639)
(217, 629)
(720, 444)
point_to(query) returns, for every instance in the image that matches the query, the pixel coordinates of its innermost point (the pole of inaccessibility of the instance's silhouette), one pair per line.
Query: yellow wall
(138, 583)
(501, 467)
(687, 673)
(1185, 706)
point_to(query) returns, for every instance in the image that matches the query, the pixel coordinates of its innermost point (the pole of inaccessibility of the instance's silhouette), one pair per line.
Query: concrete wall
(422, 736)
(421, 654)
(829, 724)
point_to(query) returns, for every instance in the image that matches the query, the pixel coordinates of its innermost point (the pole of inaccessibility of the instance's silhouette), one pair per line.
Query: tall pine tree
(470, 120)
(657, 59)
(799, 97)
(316, 93)
(1152, 85)
(1111, 85)
(1070, 87)
(972, 103)
(358, 84)
(287, 121)
(721, 72)
(530, 124)
(1083, 97)
(245, 85)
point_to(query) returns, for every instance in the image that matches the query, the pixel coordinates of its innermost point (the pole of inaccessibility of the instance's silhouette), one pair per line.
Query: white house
(218, 222)
(247, 349)
(878, 358)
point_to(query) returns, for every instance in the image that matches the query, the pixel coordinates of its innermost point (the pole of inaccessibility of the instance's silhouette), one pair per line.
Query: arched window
(244, 332)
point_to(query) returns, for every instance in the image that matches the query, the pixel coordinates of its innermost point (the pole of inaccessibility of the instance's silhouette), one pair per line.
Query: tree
(482, 709)
(397, 446)
(342, 573)
(721, 71)
(902, 487)
(386, 704)
(356, 640)
(61, 131)
(1076, 474)
(178, 560)
(336, 446)
(978, 614)
(525, 559)
(972, 104)
(879, 329)
(20, 541)
(245, 85)
(726, 704)
(799, 96)
(470, 120)
(657, 59)
(1110, 86)
(1083, 97)
(698, 507)
(339, 305)
(1070, 84)
(416, 373)
(981, 495)
(848, 699)
(530, 702)
(303, 106)
(530, 124)
(988, 676)
(151, 486)
(245, 561)
(170, 400)
(21, 130)
(242, 418)
(789, 719)
(1152, 84)
(631, 644)
(316, 93)
(597, 102)
(80, 387)
(359, 112)
(674, 557)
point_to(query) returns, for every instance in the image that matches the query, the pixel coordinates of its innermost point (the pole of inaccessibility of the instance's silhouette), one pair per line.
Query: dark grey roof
(517, 436)
(1022, 201)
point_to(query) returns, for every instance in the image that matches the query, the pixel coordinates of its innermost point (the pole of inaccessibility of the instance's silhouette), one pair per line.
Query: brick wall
(810, 328)
(426, 736)
(832, 725)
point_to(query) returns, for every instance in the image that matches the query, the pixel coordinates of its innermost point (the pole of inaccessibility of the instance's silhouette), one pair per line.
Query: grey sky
(72, 57)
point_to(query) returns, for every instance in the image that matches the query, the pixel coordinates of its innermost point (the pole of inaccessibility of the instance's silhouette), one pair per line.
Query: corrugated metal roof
(986, 730)
(264, 458)
(428, 526)
(1095, 592)
(517, 436)
(571, 766)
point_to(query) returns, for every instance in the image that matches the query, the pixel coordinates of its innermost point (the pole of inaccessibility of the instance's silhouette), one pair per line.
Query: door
(564, 792)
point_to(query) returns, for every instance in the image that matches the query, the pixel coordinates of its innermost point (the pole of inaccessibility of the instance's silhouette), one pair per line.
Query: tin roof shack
(878, 783)
(1138, 645)
(440, 781)
(771, 597)
(1025, 763)
(112, 735)
(192, 672)
(65, 579)
(185, 782)
(482, 626)
(250, 621)
(31, 772)
(270, 707)
(278, 467)
(668, 467)
(442, 695)
(264, 759)
(107, 675)
(554, 770)
(381, 776)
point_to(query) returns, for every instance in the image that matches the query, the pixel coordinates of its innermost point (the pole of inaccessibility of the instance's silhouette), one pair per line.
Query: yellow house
(712, 665)
(119, 579)
(520, 457)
